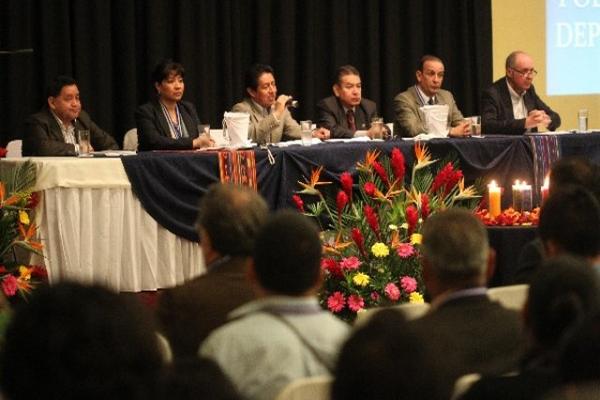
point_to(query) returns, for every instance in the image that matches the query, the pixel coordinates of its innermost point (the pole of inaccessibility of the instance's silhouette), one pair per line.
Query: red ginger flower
(447, 178)
(380, 171)
(347, 182)
(370, 189)
(424, 206)
(371, 217)
(3, 152)
(341, 201)
(358, 238)
(411, 218)
(33, 200)
(333, 267)
(398, 167)
(298, 202)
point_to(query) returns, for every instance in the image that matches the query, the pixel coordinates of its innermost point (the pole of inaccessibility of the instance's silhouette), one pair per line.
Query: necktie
(431, 101)
(351, 121)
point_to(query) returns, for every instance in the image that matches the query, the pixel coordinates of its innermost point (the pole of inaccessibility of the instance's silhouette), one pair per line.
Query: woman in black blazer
(167, 122)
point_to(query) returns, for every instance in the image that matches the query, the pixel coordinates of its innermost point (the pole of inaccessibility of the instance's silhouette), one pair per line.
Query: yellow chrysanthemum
(361, 279)
(24, 217)
(380, 250)
(415, 298)
(24, 273)
(416, 238)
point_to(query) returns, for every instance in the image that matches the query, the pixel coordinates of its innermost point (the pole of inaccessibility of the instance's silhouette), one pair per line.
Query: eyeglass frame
(532, 72)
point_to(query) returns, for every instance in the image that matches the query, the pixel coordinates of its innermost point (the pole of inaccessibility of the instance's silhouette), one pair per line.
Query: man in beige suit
(270, 120)
(410, 121)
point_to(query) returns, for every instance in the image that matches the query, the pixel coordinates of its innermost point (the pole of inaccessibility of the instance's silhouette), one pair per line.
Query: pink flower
(380, 171)
(341, 201)
(358, 238)
(392, 292)
(346, 181)
(398, 167)
(411, 218)
(375, 296)
(336, 302)
(370, 189)
(298, 202)
(332, 266)
(9, 285)
(355, 302)
(424, 206)
(3, 152)
(408, 284)
(350, 263)
(405, 250)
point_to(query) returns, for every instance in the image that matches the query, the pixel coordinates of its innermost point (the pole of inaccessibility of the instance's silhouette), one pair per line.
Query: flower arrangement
(17, 200)
(510, 217)
(371, 230)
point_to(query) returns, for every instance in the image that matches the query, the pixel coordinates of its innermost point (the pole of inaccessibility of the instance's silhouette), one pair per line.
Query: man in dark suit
(53, 130)
(228, 221)
(347, 111)
(468, 332)
(511, 106)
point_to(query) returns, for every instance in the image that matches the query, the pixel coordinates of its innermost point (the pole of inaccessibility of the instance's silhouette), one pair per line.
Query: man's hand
(536, 117)
(463, 129)
(321, 133)
(280, 105)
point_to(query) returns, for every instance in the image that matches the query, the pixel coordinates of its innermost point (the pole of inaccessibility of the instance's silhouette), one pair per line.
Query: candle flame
(546, 181)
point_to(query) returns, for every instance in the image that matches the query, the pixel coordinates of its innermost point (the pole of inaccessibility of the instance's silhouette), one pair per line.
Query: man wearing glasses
(511, 106)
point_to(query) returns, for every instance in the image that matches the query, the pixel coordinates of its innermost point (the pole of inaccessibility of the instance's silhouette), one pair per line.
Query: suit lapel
(505, 98)
(164, 125)
(417, 104)
(188, 121)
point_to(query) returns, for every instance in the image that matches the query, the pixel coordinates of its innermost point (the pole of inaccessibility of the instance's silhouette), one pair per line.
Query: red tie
(351, 122)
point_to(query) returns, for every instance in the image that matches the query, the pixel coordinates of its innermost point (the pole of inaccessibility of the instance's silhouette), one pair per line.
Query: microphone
(292, 103)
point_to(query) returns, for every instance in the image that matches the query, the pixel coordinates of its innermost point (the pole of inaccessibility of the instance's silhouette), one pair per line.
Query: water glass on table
(83, 139)
(377, 129)
(475, 122)
(306, 132)
(582, 120)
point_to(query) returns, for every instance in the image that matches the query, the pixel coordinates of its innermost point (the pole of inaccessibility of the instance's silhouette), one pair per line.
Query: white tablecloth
(94, 229)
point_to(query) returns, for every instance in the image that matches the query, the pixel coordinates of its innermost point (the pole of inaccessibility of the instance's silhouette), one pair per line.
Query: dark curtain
(110, 47)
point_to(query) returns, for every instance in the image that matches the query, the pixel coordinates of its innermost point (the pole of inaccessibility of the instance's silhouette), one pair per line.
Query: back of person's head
(455, 244)
(344, 70)
(79, 342)
(56, 84)
(166, 68)
(231, 216)
(253, 73)
(287, 254)
(384, 360)
(570, 222)
(425, 58)
(563, 292)
(572, 171)
(580, 357)
(196, 378)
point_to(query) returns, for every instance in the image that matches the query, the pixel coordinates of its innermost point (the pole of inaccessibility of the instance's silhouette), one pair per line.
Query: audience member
(167, 122)
(511, 106)
(560, 296)
(53, 130)
(346, 111)
(77, 342)
(385, 360)
(196, 378)
(270, 119)
(566, 171)
(228, 222)
(469, 332)
(284, 335)
(410, 120)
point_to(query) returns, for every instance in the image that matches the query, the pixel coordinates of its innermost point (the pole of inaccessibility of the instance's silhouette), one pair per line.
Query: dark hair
(57, 83)
(72, 341)
(572, 171)
(344, 70)
(165, 68)
(196, 378)
(385, 360)
(232, 216)
(254, 72)
(563, 291)
(287, 254)
(580, 358)
(425, 58)
(570, 217)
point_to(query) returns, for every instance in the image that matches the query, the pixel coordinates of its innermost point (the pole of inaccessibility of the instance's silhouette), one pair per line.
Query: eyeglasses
(529, 72)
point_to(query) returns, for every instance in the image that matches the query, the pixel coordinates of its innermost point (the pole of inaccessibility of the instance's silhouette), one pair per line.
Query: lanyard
(175, 128)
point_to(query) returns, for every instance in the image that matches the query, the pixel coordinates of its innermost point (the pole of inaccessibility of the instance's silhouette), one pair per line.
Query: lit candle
(521, 196)
(527, 197)
(545, 189)
(494, 199)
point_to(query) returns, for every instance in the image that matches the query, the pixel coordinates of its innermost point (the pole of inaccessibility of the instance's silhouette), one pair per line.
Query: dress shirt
(518, 104)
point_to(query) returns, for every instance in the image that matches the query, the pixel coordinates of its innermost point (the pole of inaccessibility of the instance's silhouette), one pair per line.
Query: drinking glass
(83, 138)
(475, 125)
(377, 127)
(582, 119)
(306, 134)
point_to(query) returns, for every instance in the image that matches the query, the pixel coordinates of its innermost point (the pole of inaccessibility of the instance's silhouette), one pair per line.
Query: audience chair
(512, 297)
(410, 311)
(130, 140)
(13, 149)
(314, 388)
